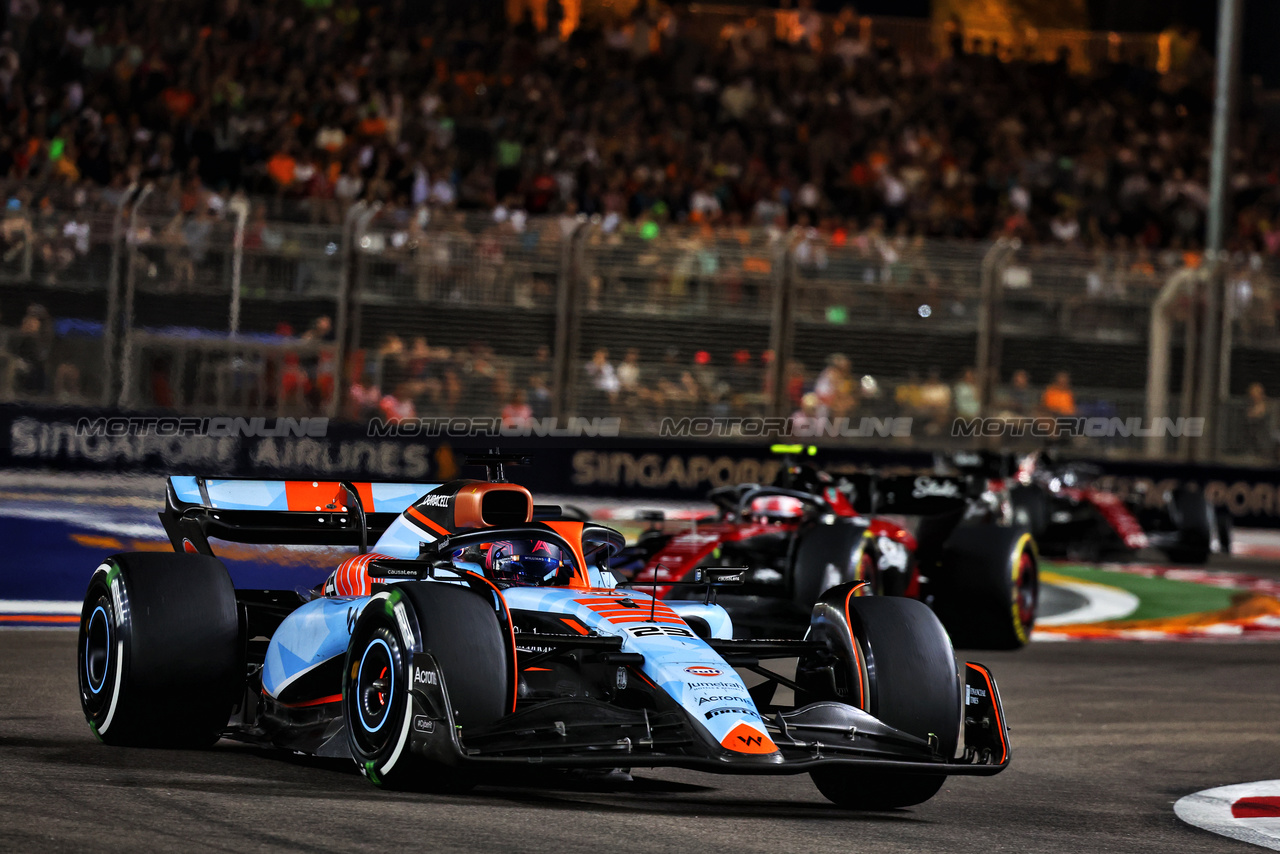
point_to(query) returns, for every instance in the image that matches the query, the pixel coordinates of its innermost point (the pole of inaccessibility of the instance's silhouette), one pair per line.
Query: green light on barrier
(649, 230)
(793, 449)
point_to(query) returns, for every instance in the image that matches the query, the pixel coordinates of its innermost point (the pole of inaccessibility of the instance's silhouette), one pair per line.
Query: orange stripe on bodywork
(332, 698)
(417, 516)
(995, 708)
(574, 624)
(857, 653)
(646, 619)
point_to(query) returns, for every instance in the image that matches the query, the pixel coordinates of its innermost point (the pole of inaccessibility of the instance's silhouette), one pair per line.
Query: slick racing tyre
(987, 587)
(828, 555)
(900, 664)
(160, 654)
(1195, 521)
(462, 631)
(1225, 525)
(1030, 508)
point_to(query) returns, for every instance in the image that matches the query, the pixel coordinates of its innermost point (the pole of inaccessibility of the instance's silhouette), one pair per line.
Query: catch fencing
(392, 313)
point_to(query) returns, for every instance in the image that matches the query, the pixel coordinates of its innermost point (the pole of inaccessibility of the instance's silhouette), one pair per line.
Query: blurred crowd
(478, 145)
(318, 103)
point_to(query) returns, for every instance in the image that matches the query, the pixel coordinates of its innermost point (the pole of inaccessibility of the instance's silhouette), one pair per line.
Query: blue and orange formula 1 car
(484, 631)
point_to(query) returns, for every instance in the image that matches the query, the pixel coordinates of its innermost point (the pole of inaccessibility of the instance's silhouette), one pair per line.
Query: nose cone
(745, 738)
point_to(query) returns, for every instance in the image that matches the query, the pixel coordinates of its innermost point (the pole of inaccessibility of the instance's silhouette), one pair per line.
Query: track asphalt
(1105, 738)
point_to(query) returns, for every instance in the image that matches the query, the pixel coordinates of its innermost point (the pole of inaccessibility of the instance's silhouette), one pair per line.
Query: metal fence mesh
(451, 314)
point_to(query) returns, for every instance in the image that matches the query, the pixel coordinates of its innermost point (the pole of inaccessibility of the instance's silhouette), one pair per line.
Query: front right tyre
(899, 666)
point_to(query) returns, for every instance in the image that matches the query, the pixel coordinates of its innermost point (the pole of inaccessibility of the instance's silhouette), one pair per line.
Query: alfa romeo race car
(1071, 517)
(809, 532)
(484, 631)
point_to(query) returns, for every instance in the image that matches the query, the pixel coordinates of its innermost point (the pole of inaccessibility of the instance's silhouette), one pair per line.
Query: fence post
(126, 360)
(782, 331)
(568, 318)
(990, 278)
(239, 206)
(113, 297)
(1159, 344)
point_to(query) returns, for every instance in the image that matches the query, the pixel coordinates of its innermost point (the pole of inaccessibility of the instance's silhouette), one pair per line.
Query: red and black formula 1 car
(808, 532)
(1070, 516)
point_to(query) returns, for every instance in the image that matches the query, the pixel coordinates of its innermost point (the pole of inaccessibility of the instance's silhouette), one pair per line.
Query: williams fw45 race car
(1073, 518)
(809, 532)
(483, 631)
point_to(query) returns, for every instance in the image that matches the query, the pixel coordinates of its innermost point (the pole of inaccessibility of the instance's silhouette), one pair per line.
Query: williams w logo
(750, 740)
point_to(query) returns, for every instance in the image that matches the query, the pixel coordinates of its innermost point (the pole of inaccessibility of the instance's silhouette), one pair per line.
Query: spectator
(539, 397)
(1058, 398)
(807, 420)
(1020, 400)
(603, 380)
(629, 373)
(965, 394)
(32, 348)
(935, 402)
(517, 411)
(1260, 424)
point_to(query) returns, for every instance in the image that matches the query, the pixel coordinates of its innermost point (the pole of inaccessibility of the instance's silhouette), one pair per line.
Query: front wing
(583, 733)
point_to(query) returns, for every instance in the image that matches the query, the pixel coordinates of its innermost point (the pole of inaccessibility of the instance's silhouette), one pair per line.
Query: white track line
(1102, 602)
(38, 606)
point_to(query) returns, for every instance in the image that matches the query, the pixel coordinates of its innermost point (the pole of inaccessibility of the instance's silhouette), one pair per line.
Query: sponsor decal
(727, 684)
(728, 699)
(702, 670)
(425, 677)
(973, 696)
(422, 723)
(731, 710)
(927, 487)
(435, 500)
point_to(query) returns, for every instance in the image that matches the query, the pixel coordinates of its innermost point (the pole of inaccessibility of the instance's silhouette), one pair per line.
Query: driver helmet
(528, 563)
(803, 479)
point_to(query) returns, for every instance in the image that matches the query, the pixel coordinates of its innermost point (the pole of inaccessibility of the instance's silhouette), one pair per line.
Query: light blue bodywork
(683, 665)
(271, 494)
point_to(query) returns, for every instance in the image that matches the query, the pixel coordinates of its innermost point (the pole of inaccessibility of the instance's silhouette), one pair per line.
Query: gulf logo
(1249, 812)
(700, 670)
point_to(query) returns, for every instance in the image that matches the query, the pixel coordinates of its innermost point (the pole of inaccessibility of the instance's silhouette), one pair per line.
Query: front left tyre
(463, 633)
(159, 654)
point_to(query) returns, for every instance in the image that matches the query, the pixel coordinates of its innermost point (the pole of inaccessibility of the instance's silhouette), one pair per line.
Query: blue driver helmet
(527, 563)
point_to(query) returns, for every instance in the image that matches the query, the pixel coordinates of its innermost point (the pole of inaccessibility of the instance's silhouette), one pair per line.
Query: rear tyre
(462, 632)
(987, 588)
(1030, 508)
(1195, 521)
(1225, 526)
(828, 555)
(911, 684)
(160, 656)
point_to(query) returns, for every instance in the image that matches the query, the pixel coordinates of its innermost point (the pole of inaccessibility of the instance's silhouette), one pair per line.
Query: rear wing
(282, 512)
(912, 495)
